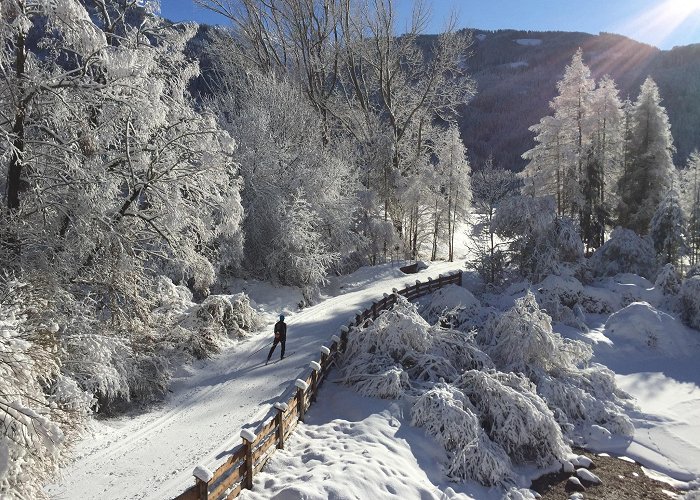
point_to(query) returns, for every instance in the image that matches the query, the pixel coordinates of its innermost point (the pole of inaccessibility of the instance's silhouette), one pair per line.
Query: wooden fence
(248, 458)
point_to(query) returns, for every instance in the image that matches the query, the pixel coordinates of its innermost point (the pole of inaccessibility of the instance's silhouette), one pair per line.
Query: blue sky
(663, 23)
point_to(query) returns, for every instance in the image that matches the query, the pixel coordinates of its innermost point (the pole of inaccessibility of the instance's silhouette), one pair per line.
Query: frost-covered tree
(667, 229)
(601, 162)
(648, 169)
(563, 141)
(490, 186)
(299, 195)
(690, 201)
(453, 172)
(109, 179)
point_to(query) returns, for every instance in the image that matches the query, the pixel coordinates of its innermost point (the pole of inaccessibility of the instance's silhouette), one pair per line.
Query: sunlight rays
(661, 21)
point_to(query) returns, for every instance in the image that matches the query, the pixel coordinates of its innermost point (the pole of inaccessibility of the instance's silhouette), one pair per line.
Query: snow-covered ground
(356, 447)
(347, 437)
(152, 455)
(660, 370)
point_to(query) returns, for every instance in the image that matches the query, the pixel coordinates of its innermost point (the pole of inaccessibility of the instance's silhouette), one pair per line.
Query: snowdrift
(656, 332)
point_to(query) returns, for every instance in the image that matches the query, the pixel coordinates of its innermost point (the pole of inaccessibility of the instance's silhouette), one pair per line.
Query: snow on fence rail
(249, 457)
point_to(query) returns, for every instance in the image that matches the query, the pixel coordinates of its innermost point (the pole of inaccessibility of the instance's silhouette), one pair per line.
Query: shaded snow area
(528, 42)
(152, 454)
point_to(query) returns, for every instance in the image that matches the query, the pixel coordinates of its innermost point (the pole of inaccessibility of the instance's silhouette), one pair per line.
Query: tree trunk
(14, 172)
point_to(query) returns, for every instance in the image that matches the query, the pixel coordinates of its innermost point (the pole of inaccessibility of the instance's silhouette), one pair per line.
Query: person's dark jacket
(281, 331)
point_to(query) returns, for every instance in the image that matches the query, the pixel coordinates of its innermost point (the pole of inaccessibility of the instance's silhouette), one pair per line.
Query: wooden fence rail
(249, 457)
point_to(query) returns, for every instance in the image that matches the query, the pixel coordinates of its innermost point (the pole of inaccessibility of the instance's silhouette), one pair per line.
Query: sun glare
(658, 23)
(682, 8)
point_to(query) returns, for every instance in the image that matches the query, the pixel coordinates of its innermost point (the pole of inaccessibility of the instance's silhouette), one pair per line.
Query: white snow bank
(528, 42)
(639, 325)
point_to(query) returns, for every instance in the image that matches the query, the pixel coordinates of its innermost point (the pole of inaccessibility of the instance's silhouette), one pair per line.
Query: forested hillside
(516, 74)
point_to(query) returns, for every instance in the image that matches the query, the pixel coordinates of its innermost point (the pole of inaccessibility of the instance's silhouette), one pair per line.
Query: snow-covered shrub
(599, 300)
(693, 271)
(41, 411)
(454, 307)
(448, 416)
(583, 398)
(625, 252)
(394, 333)
(522, 340)
(690, 301)
(560, 296)
(542, 243)
(514, 416)
(227, 315)
(668, 280)
(459, 348)
(376, 375)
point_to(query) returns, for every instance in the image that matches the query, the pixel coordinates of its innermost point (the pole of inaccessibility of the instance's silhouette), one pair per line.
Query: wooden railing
(248, 458)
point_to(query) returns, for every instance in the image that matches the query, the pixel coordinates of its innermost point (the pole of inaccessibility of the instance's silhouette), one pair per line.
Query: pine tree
(564, 139)
(601, 165)
(667, 228)
(648, 168)
(690, 200)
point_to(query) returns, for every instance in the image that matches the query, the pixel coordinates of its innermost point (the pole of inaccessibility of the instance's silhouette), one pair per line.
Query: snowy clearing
(528, 42)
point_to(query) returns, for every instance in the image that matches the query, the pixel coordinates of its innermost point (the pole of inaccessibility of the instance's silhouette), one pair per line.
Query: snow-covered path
(152, 455)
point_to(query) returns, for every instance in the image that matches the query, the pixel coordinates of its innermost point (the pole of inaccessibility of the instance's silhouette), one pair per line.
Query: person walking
(280, 337)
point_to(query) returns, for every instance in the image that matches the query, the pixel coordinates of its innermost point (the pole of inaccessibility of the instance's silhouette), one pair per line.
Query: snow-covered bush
(587, 397)
(41, 410)
(394, 333)
(668, 280)
(376, 375)
(542, 243)
(642, 325)
(448, 416)
(625, 252)
(522, 340)
(690, 301)
(227, 315)
(454, 307)
(560, 296)
(515, 417)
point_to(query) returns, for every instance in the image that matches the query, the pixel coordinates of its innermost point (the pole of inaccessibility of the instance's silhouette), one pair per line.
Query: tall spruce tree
(648, 169)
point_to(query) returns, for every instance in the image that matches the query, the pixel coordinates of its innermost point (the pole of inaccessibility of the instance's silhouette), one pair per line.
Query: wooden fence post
(316, 367)
(281, 408)
(202, 476)
(202, 489)
(459, 280)
(248, 440)
(301, 389)
(343, 338)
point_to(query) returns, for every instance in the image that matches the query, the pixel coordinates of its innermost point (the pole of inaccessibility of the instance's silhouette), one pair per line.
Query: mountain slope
(517, 71)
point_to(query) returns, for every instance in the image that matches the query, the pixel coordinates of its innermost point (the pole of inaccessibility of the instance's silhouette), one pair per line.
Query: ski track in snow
(152, 455)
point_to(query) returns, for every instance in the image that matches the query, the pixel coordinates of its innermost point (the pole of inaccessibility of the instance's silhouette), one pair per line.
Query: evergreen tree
(690, 201)
(601, 165)
(564, 139)
(667, 229)
(648, 170)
